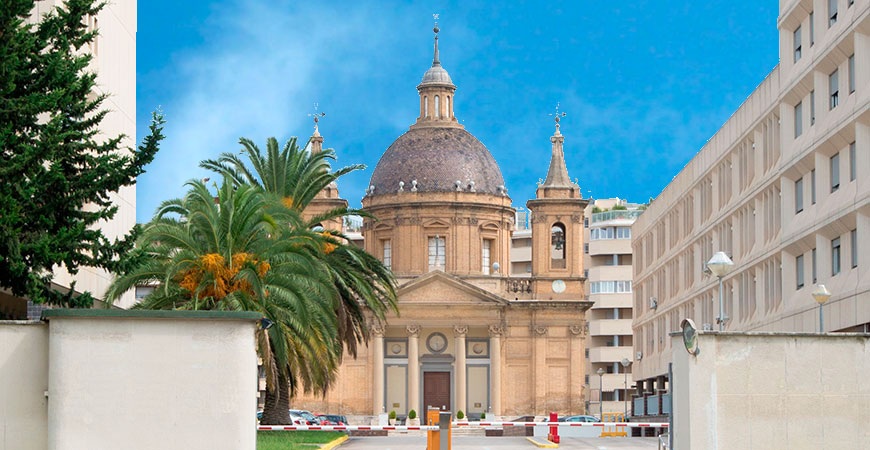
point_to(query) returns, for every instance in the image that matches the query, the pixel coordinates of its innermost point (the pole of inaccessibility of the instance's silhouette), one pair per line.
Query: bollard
(444, 430)
(553, 436)
(432, 436)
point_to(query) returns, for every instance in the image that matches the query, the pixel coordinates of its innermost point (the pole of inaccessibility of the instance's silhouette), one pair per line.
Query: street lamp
(600, 392)
(625, 364)
(721, 265)
(821, 294)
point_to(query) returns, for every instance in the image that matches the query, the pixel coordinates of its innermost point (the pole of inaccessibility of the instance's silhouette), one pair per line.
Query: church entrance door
(436, 390)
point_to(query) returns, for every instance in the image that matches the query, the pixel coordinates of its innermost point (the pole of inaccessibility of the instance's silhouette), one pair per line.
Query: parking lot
(496, 443)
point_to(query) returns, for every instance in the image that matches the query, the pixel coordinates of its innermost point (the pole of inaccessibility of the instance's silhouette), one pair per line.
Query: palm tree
(292, 177)
(229, 252)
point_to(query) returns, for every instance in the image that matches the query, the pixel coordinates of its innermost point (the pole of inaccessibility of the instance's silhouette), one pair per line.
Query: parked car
(332, 419)
(579, 419)
(296, 419)
(307, 416)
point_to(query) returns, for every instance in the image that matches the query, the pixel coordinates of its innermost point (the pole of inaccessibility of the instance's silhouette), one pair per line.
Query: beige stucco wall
(23, 382)
(167, 383)
(772, 390)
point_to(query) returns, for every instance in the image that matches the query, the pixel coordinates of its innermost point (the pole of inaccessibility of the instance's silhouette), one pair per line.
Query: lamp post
(625, 364)
(721, 265)
(821, 294)
(600, 392)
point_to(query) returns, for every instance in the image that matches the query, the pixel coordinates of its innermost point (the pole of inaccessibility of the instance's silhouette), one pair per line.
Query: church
(468, 336)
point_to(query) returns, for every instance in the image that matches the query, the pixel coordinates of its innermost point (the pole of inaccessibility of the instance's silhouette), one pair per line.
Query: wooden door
(436, 390)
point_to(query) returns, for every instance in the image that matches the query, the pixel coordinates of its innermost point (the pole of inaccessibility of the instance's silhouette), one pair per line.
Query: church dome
(436, 74)
(437, 157)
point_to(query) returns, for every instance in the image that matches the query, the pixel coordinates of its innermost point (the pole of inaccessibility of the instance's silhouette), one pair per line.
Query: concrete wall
(23, 382)
(129, 379)
(772, 390)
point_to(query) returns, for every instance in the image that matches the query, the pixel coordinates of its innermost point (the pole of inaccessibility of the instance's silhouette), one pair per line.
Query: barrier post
(444, 430)
(553, 436)
(432, 436)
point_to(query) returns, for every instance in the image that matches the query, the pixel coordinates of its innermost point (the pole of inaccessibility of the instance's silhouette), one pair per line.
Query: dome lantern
(436, 94)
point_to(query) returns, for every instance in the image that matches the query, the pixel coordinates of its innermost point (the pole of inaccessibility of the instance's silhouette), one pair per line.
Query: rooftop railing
(627, 214)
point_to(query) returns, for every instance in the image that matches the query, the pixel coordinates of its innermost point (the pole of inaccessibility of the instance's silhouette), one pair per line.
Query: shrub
(620, 208)
(393, 414)
(483, 416)
(412, 414)
(460, 415)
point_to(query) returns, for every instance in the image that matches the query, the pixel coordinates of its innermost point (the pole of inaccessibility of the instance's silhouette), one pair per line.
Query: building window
(853, 165)
(815, 267)
(623, 233)
(485, 256)
(587, 379)
(835, 172)
(610, 287)
(437, 107)
(586, 248)
(797, 44)
(587, 352)
(586, 273)
(813, 186)
(834, 87)
(832, 12)
(798, 119)
(436, 253)
(835, 256)
(799, 270)
(812, 107)
(388, 253)
(449, 109)
(854, 238)
(798, 195)
(586, 222)
(426, 106)
(812, 29)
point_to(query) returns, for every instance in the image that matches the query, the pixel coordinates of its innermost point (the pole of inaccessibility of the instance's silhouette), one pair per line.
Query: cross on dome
(316, 115)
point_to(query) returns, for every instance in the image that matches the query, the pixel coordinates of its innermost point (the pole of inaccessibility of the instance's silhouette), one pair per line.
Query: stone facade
(469, 336)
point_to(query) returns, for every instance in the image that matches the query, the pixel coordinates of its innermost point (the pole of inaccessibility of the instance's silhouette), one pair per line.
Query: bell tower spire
(557, 175)
(436, 93)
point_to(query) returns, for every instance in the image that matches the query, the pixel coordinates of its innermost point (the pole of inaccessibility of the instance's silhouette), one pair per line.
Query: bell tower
(328, 198)
(557, 229)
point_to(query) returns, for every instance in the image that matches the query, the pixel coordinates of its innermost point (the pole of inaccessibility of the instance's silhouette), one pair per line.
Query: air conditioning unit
(639, 356)
(653, 303)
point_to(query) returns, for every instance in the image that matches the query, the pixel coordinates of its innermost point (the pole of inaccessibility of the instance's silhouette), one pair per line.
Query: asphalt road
(496, 443)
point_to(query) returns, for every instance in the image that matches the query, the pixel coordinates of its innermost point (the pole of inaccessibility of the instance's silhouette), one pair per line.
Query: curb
(334, 443)
(542, 445)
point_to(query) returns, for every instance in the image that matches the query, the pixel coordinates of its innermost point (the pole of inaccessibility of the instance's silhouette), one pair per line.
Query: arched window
(425, 106)
(437, 107)
(449, 108)
(557, 245)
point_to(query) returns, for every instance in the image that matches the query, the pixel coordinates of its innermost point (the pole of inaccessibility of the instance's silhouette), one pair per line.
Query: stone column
(578, 369)
(414, 369)
(378, 394)
(495, 333)
(459, 334)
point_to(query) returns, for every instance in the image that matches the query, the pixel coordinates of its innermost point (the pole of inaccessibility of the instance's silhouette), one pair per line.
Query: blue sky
(645, 83)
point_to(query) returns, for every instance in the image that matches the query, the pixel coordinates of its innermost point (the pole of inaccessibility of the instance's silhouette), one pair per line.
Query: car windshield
(308, 416)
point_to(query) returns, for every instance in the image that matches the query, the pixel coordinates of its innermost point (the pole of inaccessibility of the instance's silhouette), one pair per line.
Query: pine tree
(56, 171)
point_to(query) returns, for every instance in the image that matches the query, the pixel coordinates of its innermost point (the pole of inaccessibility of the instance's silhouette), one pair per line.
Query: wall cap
(148, 314)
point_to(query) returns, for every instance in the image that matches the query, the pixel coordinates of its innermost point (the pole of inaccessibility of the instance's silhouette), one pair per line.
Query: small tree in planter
(482, 416)
(460, 416)
(393, 417)
(412, 418)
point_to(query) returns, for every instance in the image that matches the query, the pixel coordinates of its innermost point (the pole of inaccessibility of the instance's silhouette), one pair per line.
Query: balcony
(611, 301)
(610, 247)
(610, 273)
(609, 354)
(627, 216)
(610, 327)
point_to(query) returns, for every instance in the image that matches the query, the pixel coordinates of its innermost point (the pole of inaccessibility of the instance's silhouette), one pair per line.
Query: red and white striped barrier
(457, 424)
(346, 427)
(562, 424)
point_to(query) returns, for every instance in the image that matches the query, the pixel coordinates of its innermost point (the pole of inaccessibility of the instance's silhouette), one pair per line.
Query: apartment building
(607, 259)
(783, 188)
(114, 62)
(521, 245)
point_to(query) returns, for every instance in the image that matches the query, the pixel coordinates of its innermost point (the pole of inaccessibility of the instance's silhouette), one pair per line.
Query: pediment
(438, 287)
(435, 223)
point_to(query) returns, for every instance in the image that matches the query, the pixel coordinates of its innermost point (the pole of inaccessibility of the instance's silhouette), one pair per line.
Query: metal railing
(625, 214)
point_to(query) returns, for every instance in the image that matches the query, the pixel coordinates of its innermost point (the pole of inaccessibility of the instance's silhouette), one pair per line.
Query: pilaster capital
(413, 330)
(378, 330)
(577, 330)
(541, 330)
(496, 331)
(460, 331)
